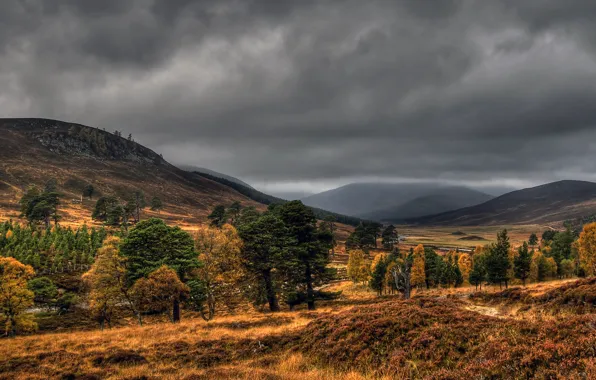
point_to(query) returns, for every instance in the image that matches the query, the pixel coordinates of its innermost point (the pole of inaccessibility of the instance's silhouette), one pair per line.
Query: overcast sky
(307, 95)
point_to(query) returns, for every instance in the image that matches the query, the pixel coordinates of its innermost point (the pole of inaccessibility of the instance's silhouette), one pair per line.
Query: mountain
(383, 200)
(267, 199)
(553, 202)
(291, 195)
(447, 199)
(34, 151)
(190, 168)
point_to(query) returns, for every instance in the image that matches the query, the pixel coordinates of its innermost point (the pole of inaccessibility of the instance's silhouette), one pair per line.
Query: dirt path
(486, 310)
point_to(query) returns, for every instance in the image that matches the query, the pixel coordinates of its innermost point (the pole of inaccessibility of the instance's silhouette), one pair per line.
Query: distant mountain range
(445, 199)
(395, 202)
(553, 202)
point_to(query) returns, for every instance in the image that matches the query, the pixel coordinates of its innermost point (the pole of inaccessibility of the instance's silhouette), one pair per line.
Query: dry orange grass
(251, 345)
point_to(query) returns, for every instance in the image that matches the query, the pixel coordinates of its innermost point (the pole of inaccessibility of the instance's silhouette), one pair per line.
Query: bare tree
(402, 276)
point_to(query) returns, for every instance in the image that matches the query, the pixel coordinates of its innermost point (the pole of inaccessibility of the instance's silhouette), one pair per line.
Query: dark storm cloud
(319, 91)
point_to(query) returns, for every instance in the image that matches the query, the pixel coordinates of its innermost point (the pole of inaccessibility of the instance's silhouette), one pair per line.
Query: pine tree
(265, 240)
(156, 204)
(88, 191)
(478, 273)
(433, 268)
(497, 260)
(307, 260)
(533, 240)
(378, 273)
(218, 216)
(151, 244)
(389, 237)
(522, 263)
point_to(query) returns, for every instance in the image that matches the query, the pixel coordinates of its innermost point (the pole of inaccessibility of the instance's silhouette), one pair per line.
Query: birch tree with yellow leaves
(221, 267)
(15, 297)
(587, 249)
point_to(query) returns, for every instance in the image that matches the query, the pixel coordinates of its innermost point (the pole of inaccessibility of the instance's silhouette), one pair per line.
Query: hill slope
(383, 200)
(36, 150)
(190, 168)
(553, 202)
(267, 199)
(448, 199)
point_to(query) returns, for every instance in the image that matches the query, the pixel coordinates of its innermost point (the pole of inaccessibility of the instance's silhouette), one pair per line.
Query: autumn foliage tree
(465, 265)
(15, 297)
(221, 266)
(161, 291)
(418, 274)
(107, 282)
(587, 249)
(357, 268)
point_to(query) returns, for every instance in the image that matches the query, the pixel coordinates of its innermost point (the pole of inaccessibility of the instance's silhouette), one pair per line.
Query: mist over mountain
(380, 200)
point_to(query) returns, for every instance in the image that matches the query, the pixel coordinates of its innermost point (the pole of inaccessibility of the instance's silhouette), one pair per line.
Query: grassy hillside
(553, 202)
(36, 150)
(433, 336)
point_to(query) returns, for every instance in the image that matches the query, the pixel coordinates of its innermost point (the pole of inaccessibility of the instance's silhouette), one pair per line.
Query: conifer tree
(389, 237)
(378, 273)
(533, 240)
(478, 273)
(497, 260)
(218, 216)
(88, 191)
(433, 268)
(156, 204)
(265, 241)
(308, 258)
(522, 263)
(151, 244)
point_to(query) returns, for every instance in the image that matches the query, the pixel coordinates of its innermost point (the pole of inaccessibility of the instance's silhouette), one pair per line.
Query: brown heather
(357, 337)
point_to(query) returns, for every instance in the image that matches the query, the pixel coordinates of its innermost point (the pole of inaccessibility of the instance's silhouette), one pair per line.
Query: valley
(157, 272)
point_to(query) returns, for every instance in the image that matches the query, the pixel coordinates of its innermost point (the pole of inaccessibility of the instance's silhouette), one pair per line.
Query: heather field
(435, 335)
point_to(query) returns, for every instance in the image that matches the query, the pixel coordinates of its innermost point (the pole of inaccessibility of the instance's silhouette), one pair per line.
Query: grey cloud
(318, 91)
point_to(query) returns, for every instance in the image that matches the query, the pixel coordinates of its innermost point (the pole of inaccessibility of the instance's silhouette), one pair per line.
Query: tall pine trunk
(271, 297)
(310, 294)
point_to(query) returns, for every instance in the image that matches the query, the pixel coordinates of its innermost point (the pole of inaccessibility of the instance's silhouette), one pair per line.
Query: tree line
(560, 254)
(276, 257)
